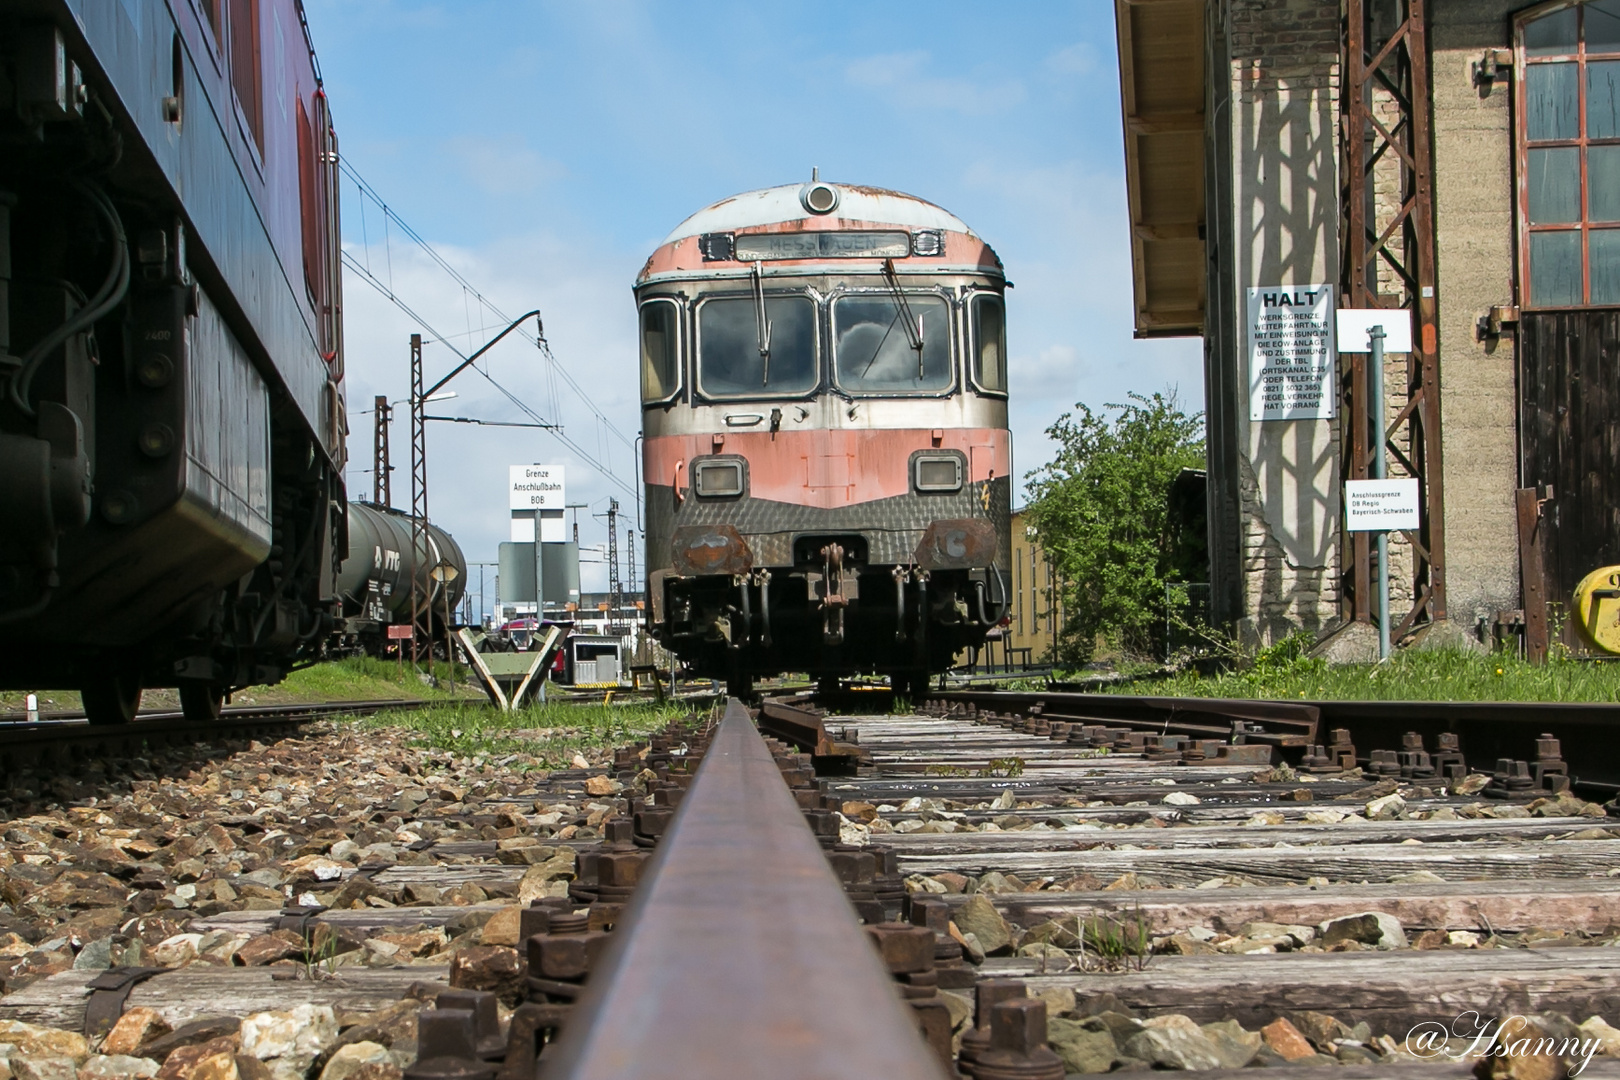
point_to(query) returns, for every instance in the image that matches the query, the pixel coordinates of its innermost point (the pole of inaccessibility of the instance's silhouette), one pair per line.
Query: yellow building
(1036, 611)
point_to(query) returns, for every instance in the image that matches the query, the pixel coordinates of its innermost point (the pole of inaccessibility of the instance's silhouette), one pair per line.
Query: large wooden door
(1569, 437)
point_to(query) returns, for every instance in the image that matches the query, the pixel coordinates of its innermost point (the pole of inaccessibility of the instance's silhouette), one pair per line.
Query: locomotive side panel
(175, 436)
(240, 201)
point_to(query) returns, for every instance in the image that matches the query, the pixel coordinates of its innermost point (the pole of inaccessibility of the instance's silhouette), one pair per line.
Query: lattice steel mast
(1388, 252)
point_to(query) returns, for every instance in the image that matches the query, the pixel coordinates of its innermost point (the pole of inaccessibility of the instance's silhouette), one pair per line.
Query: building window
(1569, 154)
(1034, 591)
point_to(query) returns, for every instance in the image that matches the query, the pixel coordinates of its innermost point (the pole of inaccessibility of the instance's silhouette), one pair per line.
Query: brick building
(1454, 161)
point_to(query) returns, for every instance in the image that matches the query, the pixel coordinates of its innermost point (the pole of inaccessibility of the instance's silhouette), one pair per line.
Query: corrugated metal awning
(1161, 75)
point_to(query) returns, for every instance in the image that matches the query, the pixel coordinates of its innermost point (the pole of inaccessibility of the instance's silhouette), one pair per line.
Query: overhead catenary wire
(600, 461)
(370, 193)
(555, 430)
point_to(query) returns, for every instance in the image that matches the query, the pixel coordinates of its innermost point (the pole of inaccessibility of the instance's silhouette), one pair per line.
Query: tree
(1100, 511)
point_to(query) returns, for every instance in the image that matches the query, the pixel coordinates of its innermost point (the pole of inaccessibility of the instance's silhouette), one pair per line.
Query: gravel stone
(115, 1066)
(1173, 1042)
(980, 918)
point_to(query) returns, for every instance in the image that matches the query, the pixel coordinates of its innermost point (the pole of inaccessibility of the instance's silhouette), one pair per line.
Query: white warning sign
(1380, 505)
(1292, 359)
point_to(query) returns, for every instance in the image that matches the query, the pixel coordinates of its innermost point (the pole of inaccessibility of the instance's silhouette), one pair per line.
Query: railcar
(826, 454)
(171, 362)
(375, 581)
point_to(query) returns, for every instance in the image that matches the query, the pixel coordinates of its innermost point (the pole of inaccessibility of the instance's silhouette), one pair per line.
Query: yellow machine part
(1597, 608)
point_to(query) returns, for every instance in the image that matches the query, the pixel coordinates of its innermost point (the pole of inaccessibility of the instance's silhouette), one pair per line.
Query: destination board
(760, 247)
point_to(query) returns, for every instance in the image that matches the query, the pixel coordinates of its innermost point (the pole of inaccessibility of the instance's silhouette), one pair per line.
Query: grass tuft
(1409, 676)
(549, 734)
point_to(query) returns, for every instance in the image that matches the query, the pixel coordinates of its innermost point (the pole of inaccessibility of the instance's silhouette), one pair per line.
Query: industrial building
(1456, 162)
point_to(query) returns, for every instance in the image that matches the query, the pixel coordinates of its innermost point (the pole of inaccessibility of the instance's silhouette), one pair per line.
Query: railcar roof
(857, 204)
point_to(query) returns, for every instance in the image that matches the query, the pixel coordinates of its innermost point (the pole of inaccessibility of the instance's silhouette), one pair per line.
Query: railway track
(1048, 891)
(1490, 731)
(63, 739)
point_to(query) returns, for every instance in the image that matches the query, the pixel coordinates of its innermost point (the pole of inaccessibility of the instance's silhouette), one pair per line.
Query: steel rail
(12, 721)
(1487, 730)
(63, 743)
(739, 955)
(1287, 723)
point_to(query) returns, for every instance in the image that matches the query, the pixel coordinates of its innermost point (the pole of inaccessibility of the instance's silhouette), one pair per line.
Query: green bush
(1100, 509)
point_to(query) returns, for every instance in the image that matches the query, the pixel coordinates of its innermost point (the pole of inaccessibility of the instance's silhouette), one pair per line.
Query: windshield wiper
(762, 325)
(911, 323)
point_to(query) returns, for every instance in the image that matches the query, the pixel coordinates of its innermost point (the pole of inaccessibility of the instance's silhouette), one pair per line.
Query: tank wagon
(826, 454)
(171, 365)
(374, 582)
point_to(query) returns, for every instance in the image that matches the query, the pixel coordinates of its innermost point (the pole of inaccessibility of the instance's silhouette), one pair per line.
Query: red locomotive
(827, 460)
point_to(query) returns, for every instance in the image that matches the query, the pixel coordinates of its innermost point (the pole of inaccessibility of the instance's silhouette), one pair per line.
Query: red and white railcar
(827, 460)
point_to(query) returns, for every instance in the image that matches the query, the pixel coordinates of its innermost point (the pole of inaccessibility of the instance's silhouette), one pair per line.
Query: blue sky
(545, 149)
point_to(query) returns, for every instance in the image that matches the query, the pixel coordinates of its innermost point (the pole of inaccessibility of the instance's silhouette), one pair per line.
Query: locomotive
(171, 360)
(827, 465)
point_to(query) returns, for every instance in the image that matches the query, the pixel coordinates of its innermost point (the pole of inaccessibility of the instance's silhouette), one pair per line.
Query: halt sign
(1380, 505)
(1292, 359)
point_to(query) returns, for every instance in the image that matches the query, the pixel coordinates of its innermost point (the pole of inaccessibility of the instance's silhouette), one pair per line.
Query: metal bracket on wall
(1494, 65)
(1491, 324)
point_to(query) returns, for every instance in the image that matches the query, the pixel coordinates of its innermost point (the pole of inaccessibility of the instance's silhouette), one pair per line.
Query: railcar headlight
(942, 472)
(718, 479)
(928, 242)
(819, 198)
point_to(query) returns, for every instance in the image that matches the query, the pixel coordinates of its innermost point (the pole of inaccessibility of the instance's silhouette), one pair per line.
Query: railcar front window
(989, 344)
(729, 360)
(660, 358)
(877, 351)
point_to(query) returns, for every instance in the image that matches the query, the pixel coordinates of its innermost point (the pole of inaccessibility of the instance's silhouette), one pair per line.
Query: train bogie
(827, 461)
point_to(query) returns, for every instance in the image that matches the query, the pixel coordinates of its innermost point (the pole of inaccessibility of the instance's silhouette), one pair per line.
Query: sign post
(1378, 505)
(401, 633)
(538, 493)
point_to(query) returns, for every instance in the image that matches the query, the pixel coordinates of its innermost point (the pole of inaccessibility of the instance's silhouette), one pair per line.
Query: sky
(543, 150)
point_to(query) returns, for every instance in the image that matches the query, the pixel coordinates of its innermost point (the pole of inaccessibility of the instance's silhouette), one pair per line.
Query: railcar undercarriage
(901, 621)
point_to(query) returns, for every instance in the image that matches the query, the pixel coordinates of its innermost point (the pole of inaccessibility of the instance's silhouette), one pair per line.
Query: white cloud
(911, 80)
(502, 166)
(1012, 125)
(1063, 236)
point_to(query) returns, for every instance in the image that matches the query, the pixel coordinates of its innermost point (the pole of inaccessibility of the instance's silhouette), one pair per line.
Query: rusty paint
(764, 213)
(957, 544)
(700, 550)
(799, 467)
(684, 254)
